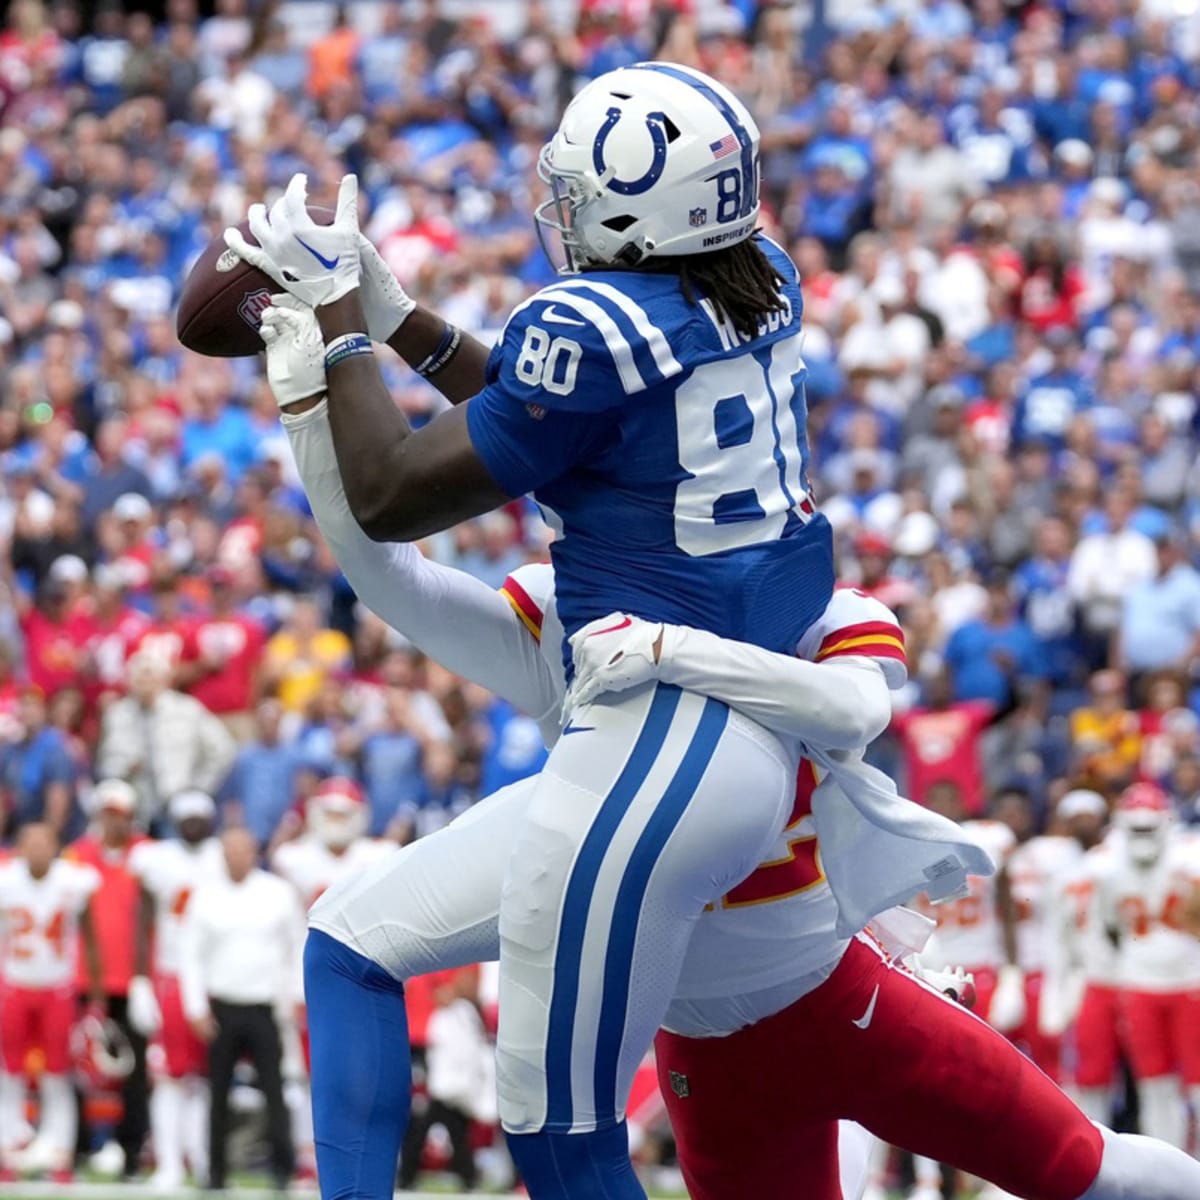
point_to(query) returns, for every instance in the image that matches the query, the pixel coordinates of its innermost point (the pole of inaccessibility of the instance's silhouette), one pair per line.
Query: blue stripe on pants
(622, 934)
(573, 922)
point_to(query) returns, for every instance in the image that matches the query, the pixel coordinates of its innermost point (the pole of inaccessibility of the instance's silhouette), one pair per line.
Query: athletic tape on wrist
(347, 346)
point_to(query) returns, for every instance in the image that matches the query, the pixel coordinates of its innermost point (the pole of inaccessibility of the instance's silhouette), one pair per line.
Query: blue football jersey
(668, 452)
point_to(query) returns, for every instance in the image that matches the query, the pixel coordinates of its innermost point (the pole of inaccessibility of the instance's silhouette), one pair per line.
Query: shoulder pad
(548, 336)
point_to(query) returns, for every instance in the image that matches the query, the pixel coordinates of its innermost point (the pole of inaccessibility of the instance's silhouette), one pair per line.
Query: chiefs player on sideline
(334, 843)
(1080, 987)
(169, 872)
(110, 840)
(44, 911)
(333, 846)
(875, 1044)
(1145, 897)
(1025, 887)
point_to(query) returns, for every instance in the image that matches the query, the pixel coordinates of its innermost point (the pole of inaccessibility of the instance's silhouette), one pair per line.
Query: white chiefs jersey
(779, 924)
(1144, 906)
(39, 922)
(968, 931)
(171, 871)
(1077, 936)
(1035, 869)
(311, 867)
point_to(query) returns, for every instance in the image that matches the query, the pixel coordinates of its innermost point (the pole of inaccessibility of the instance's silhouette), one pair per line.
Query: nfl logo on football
(698, 216)
(253, 305)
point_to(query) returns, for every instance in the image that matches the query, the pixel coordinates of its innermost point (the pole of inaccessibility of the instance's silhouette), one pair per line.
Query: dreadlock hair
(739, 281)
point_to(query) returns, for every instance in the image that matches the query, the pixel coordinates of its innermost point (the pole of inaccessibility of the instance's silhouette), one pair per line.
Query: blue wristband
(347, 346)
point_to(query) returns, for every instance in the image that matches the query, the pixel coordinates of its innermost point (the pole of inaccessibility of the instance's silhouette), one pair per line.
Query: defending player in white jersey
(170, 871)
(1145, 897)
(833, 1032)
(44, 912)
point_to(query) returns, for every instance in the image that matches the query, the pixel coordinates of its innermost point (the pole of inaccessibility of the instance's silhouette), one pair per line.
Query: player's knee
(328, 961)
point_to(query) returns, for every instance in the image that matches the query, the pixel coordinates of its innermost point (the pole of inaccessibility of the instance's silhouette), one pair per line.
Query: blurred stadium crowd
(995, 208)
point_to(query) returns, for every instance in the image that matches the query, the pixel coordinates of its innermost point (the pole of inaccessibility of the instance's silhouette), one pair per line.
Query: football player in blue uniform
(653, 403)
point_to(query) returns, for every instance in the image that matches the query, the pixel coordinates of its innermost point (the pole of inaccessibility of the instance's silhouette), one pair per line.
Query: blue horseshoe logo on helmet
(656, 124)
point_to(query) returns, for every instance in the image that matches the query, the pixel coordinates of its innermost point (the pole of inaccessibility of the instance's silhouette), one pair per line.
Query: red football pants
(1162, 1033)
(754, 1114)
(1097, 1037)
(37, 1018)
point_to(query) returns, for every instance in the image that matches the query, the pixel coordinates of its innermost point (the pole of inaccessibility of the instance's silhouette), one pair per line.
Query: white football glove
(1007, 1011)
(385, 303)
(613, 654)
(295, 350)
(1060, 1002)
(317, 264)
(145, 1017)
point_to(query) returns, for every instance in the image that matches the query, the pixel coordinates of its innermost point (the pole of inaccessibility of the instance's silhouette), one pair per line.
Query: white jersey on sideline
(1035, 870)
(171, 871)
(969, 933)
(39, 922)
(310, 866)
(1144, 905)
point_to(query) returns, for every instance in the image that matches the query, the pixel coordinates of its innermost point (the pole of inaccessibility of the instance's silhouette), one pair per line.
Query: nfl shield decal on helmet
(698, 216)
(679, 1084)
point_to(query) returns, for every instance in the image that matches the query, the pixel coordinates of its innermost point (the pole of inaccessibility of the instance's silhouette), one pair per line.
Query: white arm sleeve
(838, 705)
(453, 617)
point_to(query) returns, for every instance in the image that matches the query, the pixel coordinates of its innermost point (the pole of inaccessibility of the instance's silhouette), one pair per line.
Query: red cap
(870, 542)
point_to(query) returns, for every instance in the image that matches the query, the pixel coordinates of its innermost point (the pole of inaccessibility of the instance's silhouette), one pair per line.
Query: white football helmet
(1145, 815)
(336, 813)
(650, 160)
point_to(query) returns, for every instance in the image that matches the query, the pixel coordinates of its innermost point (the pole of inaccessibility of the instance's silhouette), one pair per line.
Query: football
(224, 297)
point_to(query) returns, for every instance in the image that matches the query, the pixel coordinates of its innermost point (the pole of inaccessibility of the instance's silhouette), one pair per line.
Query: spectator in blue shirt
(391, 770)
(1045, 603)
(37, 773)
(516, 750)
(260, 788)
(987, 657)
(1160, 619)
(1052, 400)
(218, 427)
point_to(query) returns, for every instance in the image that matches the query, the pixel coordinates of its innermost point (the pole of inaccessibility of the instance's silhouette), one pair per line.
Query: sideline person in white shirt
(242, 944)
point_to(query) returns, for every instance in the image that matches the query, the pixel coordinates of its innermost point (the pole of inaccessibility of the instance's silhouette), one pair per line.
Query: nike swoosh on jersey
(552, 315)
(864, 1021)
(327, 263)
(569, 728)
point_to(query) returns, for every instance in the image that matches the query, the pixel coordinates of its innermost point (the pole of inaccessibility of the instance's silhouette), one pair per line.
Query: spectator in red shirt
(221, 658)
(106, 847)
(55, 639)
(940, 741)
(169, 629)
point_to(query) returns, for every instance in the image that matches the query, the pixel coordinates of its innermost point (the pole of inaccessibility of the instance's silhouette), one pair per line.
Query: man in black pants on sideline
(241, 956)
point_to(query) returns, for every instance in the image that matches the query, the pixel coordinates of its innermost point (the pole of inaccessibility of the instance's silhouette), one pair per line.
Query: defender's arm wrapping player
(912, 1069)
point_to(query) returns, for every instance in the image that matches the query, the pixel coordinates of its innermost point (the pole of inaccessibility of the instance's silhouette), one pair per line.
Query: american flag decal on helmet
(727, 145)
